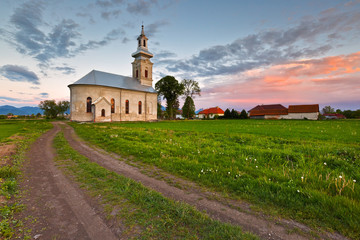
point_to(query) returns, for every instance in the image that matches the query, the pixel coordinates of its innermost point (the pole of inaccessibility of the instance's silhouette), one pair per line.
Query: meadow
(303, 170)
(20, 133)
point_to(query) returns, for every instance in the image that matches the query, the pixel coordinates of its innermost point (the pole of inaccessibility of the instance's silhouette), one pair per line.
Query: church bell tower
(142, 66)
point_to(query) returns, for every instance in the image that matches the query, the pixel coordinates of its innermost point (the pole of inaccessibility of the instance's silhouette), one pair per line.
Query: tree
(227, 114)
(51, 109)
(234, 114)
(170, 89)
(328, 109)
(188, 110)
(62, 107)
(243, 114)
(191, 88)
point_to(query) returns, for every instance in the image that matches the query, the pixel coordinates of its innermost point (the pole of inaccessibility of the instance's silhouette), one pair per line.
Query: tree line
(346, 113)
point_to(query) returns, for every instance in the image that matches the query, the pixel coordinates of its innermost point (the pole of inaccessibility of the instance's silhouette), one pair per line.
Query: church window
(137, 73)
(88, 104)
(112, 105)
(146, 73)
(127, 106)
(103, 112)
(144, 43)
(139, 42)
(140, 107)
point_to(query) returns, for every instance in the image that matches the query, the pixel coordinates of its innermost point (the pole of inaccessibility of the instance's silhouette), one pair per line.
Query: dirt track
(67, 213)
(59, 207)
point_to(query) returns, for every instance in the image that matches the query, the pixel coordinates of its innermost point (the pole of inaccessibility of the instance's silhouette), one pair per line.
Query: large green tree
(52, 110)
(191, 88)
(169, 88)
(188, 110)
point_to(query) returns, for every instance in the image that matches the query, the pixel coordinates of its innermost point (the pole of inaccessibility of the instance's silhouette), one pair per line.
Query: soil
(6, 150)
(63, 211)
(57, 207)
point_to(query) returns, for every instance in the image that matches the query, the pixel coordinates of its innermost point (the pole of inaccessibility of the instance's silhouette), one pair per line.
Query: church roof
(99, 78)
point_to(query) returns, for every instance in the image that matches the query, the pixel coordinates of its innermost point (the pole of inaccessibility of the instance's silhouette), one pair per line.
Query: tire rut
(278, 229)
(60, 209)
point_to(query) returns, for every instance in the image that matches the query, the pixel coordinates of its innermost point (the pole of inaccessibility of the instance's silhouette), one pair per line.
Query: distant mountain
(4, 110)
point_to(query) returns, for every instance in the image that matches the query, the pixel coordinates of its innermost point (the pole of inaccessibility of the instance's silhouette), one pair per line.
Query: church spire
(142, 66)
(142, 30)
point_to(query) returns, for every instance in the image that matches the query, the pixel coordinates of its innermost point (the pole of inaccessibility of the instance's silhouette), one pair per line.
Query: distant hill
(4, 110)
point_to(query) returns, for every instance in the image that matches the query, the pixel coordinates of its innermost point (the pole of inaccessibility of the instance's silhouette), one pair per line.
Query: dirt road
(58, 206)
(65, 212)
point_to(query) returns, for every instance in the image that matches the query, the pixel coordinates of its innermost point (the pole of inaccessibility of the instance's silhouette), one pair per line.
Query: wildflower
(354, 181)
(302, 178)
(325, 163)
(298, 190)
(202, 170)
(269, 179)
(228, 172)
(256, 166)
(246, 159)
(340, 176)
(255, 159)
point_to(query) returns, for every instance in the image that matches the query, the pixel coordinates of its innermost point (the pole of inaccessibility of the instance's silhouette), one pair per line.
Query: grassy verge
(145, 214)
(299, 175)
(26, 132)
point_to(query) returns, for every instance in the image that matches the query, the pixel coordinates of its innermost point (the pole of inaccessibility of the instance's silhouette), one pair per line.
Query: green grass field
(146, 214)
(8, 128)
(304, 170)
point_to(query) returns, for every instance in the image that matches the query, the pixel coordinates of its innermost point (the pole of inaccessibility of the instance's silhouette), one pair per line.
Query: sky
(242, 53)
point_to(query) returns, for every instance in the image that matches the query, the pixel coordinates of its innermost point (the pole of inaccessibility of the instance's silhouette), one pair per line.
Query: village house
(211, 113)
(334, 116)
(274, 111)
(278, 111)
(104, 97)
(310, 112)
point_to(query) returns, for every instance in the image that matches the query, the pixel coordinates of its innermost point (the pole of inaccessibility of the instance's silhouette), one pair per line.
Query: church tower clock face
(142, 66)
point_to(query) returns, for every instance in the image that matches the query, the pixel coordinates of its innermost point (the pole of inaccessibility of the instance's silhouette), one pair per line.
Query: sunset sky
(243, 53)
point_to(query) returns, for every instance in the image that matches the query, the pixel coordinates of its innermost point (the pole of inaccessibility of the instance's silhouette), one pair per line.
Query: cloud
(141, 6)
(164, 54)
(44, 95)
(62, 40)
(153, 28)
(310, 38)
(19, 74)
(66, 70)
(323, 80)
(108, 14)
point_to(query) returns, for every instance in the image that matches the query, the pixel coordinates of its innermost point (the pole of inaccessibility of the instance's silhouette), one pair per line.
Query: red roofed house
(273, 111)
(211, 112)
(310, 112)
(334, 116)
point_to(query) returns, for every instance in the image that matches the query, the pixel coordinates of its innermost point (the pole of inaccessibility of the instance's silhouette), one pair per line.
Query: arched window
(144, 43)
(140, 107)
(103, 112)
(127, 106)
(146, 73)
(139, 42)
(88, 104)
(137, 73)
(112, 105)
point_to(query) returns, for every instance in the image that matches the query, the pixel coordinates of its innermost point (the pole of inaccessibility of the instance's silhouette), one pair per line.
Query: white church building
(104, 97)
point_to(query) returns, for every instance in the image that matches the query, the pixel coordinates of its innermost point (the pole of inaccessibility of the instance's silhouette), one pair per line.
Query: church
(105, 97)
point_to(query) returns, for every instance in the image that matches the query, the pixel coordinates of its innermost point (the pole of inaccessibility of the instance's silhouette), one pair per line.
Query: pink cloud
(326, 80)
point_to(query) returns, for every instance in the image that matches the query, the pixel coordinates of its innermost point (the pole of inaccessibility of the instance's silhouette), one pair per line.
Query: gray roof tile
(112, 80)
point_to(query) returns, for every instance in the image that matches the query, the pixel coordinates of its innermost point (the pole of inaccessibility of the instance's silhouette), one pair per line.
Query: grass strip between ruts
(144, 214)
